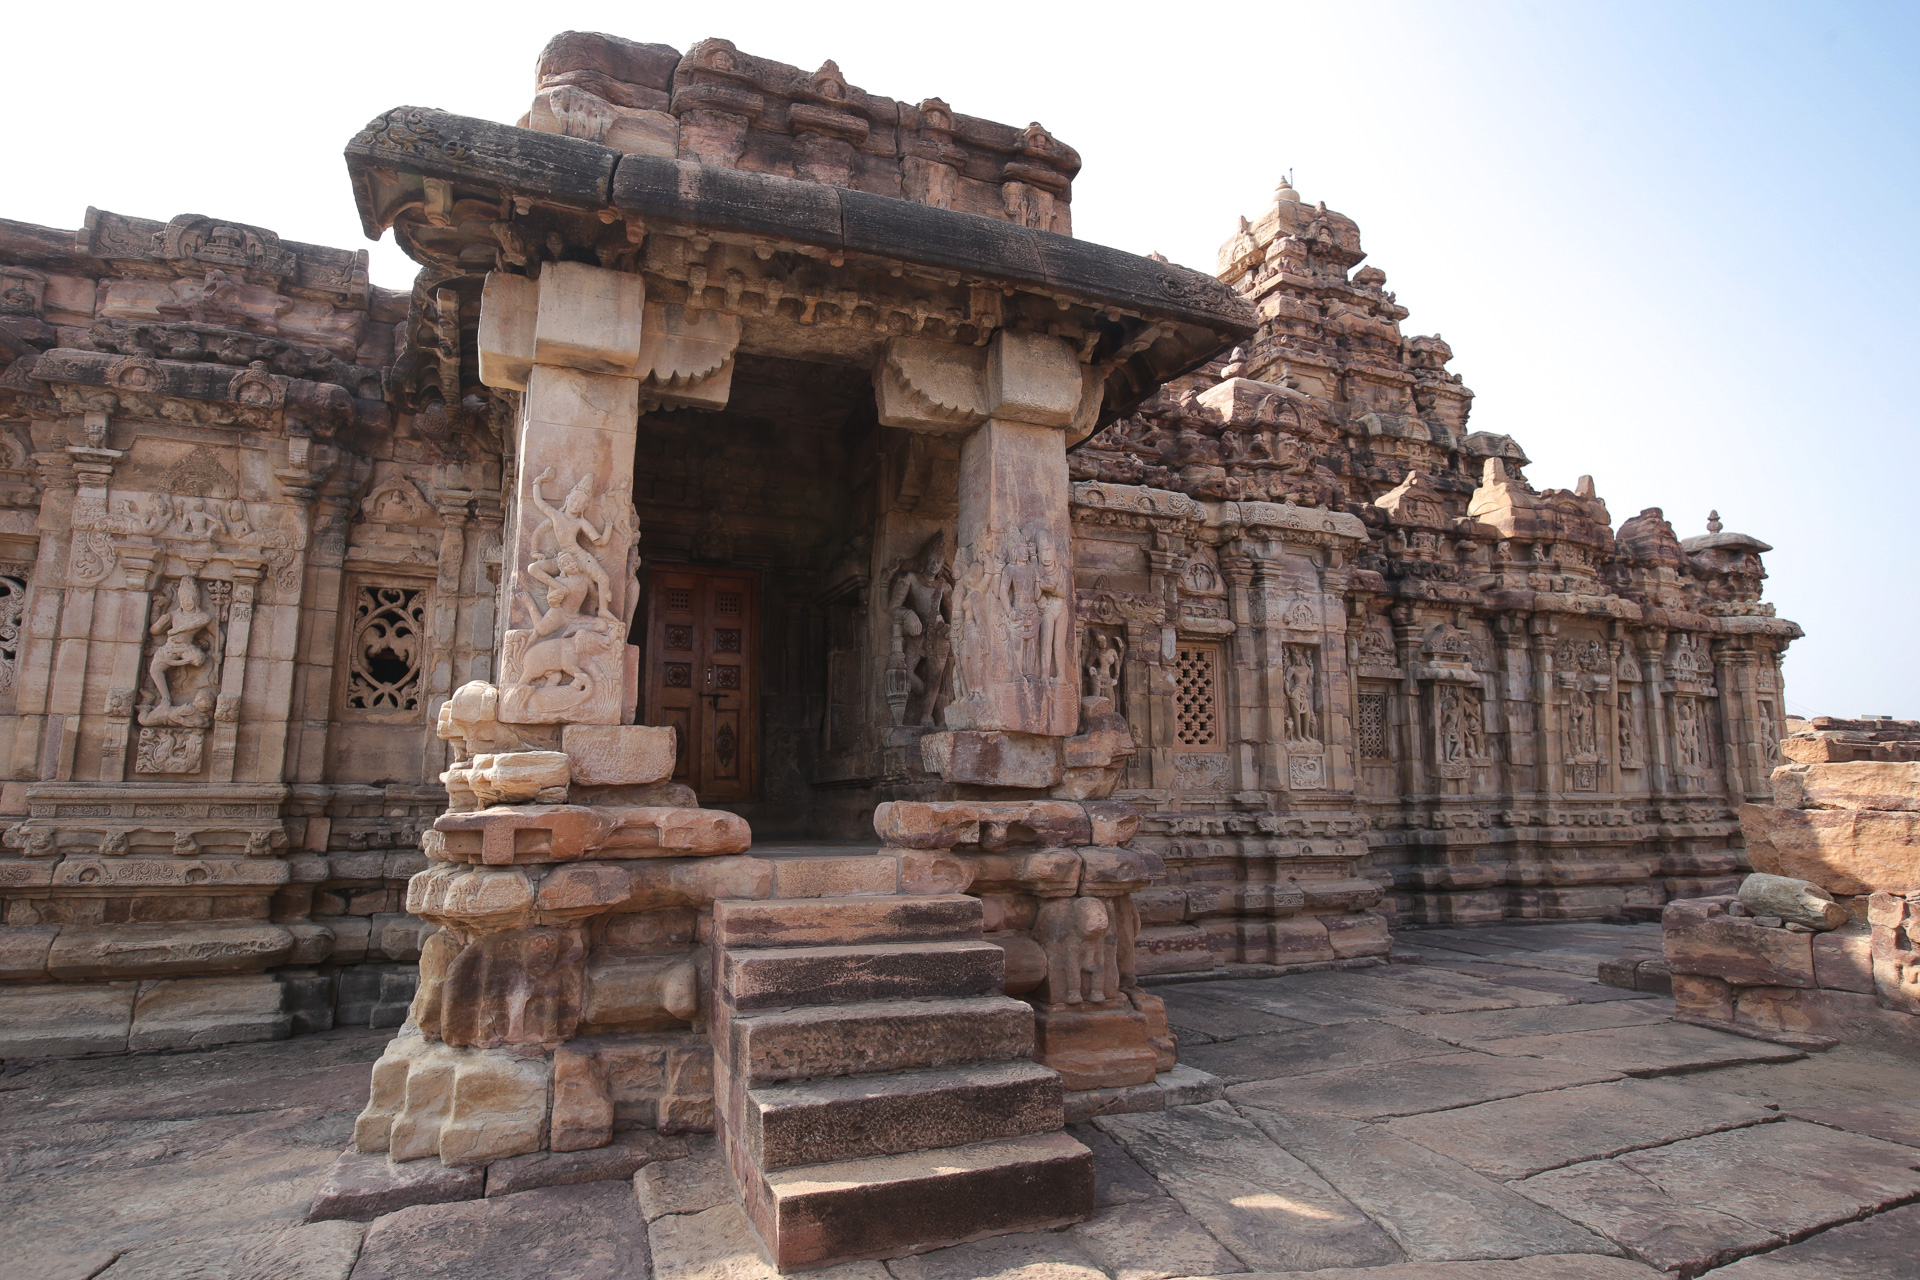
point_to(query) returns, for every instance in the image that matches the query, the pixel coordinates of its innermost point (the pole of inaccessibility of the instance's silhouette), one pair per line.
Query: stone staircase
(877, 1094)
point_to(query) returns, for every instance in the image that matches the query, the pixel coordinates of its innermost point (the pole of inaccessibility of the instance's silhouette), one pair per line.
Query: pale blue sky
(1672, 245)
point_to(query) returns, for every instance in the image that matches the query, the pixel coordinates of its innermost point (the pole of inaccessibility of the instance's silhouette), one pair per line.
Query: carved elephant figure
(1076, 934)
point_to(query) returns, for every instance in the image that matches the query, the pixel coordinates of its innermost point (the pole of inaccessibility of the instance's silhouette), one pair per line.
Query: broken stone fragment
(516, 777)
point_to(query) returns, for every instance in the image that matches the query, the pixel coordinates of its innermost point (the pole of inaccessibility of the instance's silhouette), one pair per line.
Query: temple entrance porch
(743, 512)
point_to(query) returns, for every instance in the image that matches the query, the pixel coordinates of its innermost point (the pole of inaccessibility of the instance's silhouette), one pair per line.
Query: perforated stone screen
(1196, 698)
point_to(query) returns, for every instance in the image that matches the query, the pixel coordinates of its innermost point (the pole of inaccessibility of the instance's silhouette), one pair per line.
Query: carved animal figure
(1075, 934)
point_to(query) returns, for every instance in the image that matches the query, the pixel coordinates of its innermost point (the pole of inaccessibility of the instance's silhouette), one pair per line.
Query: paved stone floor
(1483, 1100)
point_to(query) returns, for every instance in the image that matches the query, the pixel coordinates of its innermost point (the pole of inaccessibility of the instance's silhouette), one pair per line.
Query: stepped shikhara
(1372, 654)
(771, 634)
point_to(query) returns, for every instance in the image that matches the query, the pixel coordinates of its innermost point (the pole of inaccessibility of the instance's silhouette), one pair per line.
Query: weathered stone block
(619, 754)
(589, 319)
(846, 921)
(1865, 784)
(1699, 996)
(582, 1116)
(878, 1207)
(60, 1020)
(647, 993)
(1737, 950)
(1357, 933)
(840, 975)
(880, 1036)
(1844, 851)
(361, 1187)
(23, 951)
(180, 1013)
(509, 305)
(156, 950)
(851, 1118)
(832, 877)
(992, 758)
(1096, 1048)
(1843, 959)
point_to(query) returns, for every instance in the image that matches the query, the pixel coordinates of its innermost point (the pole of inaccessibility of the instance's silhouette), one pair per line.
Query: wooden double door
(702, 645)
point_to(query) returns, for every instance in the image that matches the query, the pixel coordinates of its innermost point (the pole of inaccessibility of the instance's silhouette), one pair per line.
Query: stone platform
(1481, 1110)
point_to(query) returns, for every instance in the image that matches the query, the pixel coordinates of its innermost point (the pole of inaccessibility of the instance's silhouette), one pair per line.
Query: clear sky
(1671, 244)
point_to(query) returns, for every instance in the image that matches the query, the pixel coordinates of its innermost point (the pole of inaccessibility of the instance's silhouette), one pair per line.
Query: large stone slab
(1311, 1049)
(776, 977)
(1845, 1073)
(619, 1159)
(320, 1251)
(1026, 1256)
(1888, 1121)
(877, 1036)
(1412, 1088)
(718, 1244)
(1844, 851)
(694, 1185)
(843, 921)
(1883, 1247)
(1654, 1049)
(1269, 1209)
(1703, 1201)
(1573, 988)
(1425, 990)
(1518, 1137)
(1197, 1017)
(587, 1232)
(1577, 1266)
(1505, 1024)
(1433, 1208)
(1118, 1177)
(58, 1020)
(1295, 999)
(853, 1117)
(360, 1187)
(1152, 1240)
(888, 1205)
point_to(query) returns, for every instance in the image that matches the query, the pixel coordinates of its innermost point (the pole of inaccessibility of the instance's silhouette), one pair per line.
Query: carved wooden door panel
(702, 627)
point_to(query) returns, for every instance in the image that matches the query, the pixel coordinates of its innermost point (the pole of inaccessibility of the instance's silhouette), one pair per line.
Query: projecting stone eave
(457, 190)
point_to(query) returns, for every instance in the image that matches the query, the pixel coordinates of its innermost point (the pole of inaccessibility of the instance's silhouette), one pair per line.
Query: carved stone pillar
(1546, 757)
(1015, 680)
(1014, 644)
(1653, 723)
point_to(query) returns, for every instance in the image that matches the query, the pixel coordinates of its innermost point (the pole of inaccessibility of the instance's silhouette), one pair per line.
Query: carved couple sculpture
(1015, 588)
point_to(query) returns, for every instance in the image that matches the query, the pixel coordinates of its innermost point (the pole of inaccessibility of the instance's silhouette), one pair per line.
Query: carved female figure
(1580, 735)
(1302, 724)
(1103, 673)
(1053, 610)
(1686, 718)
(1453, 728)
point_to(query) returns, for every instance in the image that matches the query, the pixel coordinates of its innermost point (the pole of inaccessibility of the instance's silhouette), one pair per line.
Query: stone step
(843, 921)
(782, 977)
(887, 1206)
(854, 1117)
(878, 1036)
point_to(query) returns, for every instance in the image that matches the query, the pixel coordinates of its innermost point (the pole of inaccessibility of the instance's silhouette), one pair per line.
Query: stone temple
(771, 635)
